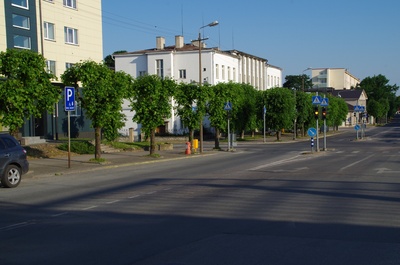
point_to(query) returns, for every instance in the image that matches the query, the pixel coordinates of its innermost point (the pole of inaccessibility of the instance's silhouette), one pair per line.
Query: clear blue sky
(360, 35)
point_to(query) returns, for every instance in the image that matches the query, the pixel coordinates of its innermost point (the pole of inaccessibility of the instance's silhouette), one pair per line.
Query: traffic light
(316, 113)
(324, 113)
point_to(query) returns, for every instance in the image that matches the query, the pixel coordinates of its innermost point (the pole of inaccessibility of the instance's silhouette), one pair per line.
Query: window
(182, 73)
(21, 21)
(217, 71)
(142, 73)
(229, 73)
(71, 35)
(223, 72)
(160, 68)
(20, 3)
(70, 3)
(68, 65)
(234, 74)
(51, 67)
(22, 42)
(48, 29)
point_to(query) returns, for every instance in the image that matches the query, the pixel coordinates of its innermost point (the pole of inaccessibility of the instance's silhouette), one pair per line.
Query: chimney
(179, 42)
(160, 43)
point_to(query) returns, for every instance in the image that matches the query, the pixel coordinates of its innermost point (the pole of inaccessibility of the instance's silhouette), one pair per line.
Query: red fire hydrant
(187, 151)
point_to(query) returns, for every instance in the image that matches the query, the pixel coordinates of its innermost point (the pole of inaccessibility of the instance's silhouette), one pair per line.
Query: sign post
(316, 100)
(324, 103)
(228, 108)
(312, 132)
(264, 112)
(69, 95)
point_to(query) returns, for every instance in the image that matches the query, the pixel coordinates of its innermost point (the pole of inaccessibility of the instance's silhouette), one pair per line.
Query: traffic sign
(312, 132)
(325, 102)
(316, 100)
(69, 94)
(228, 106)
(358, 108)
(357, 127)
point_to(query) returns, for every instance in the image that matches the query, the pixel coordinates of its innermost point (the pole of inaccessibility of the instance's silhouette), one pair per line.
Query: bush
(81, 147)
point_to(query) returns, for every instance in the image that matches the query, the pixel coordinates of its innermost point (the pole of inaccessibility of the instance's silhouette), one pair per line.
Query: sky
(362, 36)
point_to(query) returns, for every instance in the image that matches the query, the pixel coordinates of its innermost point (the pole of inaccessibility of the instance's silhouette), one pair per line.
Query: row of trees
(27, 91)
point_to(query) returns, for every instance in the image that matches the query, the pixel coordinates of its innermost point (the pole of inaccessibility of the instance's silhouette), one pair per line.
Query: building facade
(181, 62)
(337, 78)
(64, 32)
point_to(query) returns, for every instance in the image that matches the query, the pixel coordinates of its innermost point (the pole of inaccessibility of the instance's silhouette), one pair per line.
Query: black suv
(13, 161)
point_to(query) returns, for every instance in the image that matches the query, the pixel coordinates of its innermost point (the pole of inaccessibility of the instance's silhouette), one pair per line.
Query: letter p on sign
(69, 94)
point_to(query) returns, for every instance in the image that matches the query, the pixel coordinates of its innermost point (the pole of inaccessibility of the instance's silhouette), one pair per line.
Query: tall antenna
(182, 17)
(219, 37)
(233, 40)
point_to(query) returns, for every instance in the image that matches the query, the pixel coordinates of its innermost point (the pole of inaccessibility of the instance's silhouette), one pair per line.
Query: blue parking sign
(69, 94)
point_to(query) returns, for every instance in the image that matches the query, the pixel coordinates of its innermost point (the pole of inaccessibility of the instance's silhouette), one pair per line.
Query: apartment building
(63, 31)
(181, 62)
(337, 78)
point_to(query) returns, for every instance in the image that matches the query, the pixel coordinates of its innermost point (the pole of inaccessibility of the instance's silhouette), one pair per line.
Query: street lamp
(212, 24)
(302, 77)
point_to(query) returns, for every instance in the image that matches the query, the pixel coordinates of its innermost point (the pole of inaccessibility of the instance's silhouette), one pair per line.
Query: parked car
(13, 162)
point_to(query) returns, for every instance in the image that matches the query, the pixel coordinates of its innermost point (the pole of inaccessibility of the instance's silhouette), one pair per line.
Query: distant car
(13, 162)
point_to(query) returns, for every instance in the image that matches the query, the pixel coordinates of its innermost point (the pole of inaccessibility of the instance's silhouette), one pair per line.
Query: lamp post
(212, 24)
(302, 77)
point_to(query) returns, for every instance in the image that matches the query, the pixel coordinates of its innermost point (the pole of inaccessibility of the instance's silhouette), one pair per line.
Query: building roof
(348, 94)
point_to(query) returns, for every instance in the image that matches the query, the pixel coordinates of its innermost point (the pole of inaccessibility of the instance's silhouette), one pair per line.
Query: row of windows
(273, 81)
(23, 22)
(24, 42)
(70, 34)
(51, 66)
(223, 74)
(25, 4)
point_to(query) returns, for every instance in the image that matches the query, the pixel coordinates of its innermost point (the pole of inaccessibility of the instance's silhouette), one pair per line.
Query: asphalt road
(263, 204)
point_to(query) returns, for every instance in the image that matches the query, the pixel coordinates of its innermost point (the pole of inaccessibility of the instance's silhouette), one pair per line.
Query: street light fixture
(302, 77)
(212, 24)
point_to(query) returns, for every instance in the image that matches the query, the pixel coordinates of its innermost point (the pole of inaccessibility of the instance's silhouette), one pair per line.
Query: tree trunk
(278, 135)
(152, 142)
(97, 142)
(216, 145)
(242, 135)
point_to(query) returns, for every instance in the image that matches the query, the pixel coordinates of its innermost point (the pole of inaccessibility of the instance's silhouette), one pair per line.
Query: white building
(181, 62)
(274, 76)
(337, 78)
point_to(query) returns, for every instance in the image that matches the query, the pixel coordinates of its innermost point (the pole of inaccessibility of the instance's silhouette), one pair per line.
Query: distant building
(181, 62)
(337, 78)
(354, 97)
(64, 32)
(274, 76)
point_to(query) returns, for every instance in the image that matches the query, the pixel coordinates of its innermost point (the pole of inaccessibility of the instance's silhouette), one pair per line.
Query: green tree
(246, 119)
(280, 109)
(304, 110)
(221, 93)
(109, 59)
(26, 89)
(150, 98)
(102, 96)
(187, 96)
(379, 90)
(336, 112)
(298, 82)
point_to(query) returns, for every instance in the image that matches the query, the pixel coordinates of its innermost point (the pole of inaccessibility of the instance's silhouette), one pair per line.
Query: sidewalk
(40, 167)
